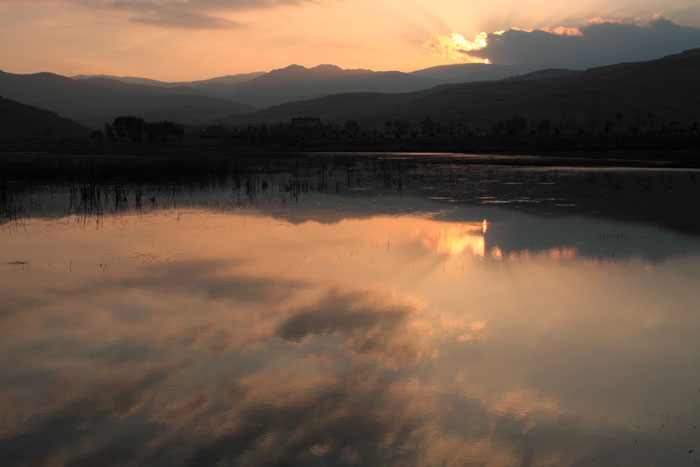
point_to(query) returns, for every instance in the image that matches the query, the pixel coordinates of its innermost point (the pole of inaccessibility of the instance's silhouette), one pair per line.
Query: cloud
(184, 14)
(457, 48)
(188, 14)
(343, 311)
(185, 20)
(144, 364)
(595, 43)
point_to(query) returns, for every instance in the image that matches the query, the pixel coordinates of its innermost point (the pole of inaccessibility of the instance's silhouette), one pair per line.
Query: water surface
(347, 328)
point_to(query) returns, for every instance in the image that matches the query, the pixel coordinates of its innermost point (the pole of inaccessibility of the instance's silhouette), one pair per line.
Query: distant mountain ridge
(95, 101)
(543, 74)
(291, 83)
(297, 83)
(486, 94)
(657, 92)
(128, 80)
(472, 72)
(220, 80)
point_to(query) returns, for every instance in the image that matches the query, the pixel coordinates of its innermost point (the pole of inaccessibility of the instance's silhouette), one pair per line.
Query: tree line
(132, 129)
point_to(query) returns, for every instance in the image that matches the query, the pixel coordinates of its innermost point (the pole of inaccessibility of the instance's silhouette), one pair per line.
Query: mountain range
(292, 83)
(93, 102)
(471, 72)
(662, 91)
(202, 84)
(659, 92)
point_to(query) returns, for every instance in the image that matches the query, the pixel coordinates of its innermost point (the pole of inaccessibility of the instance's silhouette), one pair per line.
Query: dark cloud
(343, 311)
(187, 14)
(594, 44)
(208, 279)
(82, 419)
(137, 399)
(186, 20)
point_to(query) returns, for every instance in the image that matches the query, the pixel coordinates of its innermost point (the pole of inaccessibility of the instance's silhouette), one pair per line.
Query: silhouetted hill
(223, 87)
(472, 72)
(223, 80)
(19, 121)
(292, 83)
(95, 101)
(129, 80)
(646, 94)
(544, 74)
(296, 83)
(205, 85)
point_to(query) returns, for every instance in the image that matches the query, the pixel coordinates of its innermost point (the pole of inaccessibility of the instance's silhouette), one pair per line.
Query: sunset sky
(196, 39)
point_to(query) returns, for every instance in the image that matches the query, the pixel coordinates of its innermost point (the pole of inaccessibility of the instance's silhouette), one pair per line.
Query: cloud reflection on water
(390, 340)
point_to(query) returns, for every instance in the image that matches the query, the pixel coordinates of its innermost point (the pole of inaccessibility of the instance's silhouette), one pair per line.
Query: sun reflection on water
(458, 238)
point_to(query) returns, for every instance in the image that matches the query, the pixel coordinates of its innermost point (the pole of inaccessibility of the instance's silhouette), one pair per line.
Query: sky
(179, 40)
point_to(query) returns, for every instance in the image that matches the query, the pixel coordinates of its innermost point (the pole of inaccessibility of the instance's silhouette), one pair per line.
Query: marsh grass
(55, 185)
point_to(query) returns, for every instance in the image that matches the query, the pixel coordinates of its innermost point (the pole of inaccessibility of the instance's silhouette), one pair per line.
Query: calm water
(347, 328)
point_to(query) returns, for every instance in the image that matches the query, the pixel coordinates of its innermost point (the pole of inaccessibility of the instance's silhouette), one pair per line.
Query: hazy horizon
(199, 39)
(558, 43)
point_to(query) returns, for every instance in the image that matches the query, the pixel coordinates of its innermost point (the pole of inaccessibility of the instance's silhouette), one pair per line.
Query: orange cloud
(457, 48)
(187, 14)
(563, 31)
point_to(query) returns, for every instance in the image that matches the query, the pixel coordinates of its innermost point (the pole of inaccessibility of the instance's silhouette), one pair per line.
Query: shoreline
(689, 159)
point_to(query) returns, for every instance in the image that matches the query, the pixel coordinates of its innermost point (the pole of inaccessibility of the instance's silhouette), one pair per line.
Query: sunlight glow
(456, 239)
(563, 31)
(457, 48)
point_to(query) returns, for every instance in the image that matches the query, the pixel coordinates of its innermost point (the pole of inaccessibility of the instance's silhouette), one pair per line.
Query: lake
(436, 312)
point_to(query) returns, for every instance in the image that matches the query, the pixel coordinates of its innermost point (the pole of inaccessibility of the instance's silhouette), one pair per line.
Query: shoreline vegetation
(94, 184)
(131, 135)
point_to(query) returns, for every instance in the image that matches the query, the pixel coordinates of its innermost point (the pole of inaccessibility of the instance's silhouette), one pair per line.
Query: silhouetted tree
(135, 130)
(97, 135)
(428, 127)
(109, 132)
(163, 131)
(129, 128)
(511, 126)
(401, 127)
(352, 127)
